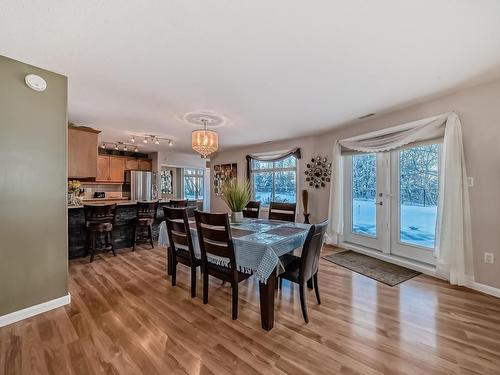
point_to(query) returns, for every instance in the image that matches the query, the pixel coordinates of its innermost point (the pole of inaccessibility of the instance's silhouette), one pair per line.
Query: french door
(391, 201)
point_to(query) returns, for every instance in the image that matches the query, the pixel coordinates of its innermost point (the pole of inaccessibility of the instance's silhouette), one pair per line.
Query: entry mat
(387, 273)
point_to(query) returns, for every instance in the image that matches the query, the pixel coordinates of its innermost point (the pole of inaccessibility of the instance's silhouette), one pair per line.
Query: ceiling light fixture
(132, 140)
(103, 146)
(170, 143)
(204, 141)
(125, 148)
(157, 141)
(116, 146)
(136, 149)
(145, 140)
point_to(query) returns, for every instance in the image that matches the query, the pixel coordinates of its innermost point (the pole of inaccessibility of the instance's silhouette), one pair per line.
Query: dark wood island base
(123, 228)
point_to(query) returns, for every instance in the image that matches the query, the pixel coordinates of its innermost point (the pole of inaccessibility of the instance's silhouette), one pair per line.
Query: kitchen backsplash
(111, 191)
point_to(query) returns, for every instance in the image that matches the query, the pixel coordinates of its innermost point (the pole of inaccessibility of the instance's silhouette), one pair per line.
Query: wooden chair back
(147, 210)
(180, 203)
(179, 234)
(99, 213)
(214, 235)
(312, 250)
(252, 210)
(282, 211)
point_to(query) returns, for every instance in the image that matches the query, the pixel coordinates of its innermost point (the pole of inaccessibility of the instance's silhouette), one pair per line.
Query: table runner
(257, 252)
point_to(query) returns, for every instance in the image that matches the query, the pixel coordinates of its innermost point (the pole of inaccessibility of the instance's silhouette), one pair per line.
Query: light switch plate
(470, 181)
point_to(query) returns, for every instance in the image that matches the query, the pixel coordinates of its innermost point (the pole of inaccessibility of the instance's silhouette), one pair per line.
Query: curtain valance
(295, 152)
(397, 136)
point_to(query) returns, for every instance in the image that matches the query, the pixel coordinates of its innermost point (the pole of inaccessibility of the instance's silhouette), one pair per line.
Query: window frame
(273, 171)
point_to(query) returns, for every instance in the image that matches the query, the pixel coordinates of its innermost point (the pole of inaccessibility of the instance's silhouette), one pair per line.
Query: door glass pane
(284, 187)
(419, 189)
(364, 187)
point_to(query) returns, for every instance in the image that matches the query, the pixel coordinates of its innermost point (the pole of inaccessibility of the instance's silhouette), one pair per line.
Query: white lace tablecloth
(257, 246)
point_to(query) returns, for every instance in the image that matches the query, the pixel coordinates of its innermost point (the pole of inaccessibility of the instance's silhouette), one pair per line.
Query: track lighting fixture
(150, 138)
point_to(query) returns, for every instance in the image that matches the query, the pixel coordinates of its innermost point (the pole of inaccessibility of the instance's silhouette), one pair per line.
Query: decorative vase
(236, 217)
(74, 200)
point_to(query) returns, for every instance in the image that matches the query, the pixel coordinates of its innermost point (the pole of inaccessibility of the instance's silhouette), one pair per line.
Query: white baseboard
(419, 267)
(492, 291)
(34, 310)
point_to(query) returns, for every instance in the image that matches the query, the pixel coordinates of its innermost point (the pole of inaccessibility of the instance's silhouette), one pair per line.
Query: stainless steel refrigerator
(139, 185)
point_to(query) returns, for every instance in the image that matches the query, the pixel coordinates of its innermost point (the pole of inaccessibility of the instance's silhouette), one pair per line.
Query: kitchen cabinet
(137, 164)
(132, 164)
(82, 152)
(110, 168)
(116, 169)
(102, 168)
(145, 165)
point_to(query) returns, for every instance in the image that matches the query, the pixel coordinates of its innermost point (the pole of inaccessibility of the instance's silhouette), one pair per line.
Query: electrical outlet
(470, 181)
(489, 258)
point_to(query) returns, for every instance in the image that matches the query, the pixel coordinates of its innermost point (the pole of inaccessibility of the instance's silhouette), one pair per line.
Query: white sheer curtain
(453, 241)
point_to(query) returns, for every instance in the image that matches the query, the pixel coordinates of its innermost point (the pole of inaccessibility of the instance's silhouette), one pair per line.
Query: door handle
(379, 203)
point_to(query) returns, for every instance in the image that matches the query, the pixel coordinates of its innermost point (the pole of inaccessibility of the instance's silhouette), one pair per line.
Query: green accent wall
(33, 214)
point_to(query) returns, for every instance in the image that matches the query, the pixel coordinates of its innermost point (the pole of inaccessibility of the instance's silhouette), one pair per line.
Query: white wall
(479, 110)
(178, 159)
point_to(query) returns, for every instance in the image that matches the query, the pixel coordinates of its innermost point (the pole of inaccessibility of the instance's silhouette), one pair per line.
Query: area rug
(387, 273)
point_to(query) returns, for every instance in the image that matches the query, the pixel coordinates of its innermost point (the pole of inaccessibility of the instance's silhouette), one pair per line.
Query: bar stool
(146, 216)
(99, 220)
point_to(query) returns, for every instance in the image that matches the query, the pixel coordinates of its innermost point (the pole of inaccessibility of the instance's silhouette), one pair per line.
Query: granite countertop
(119, 202)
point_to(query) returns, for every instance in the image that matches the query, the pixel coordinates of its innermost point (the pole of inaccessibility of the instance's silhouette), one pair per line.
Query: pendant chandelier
(204, 142)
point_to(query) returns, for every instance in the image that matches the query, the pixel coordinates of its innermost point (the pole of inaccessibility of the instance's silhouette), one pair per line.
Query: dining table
(258, 245)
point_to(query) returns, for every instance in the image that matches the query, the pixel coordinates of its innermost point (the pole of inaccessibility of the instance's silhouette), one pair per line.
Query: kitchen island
(122, 229)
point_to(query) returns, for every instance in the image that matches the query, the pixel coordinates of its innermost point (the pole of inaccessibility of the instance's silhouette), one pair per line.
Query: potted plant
(236, 195)
(74, 192)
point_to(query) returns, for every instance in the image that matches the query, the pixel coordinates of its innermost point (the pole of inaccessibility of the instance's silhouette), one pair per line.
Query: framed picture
(222, 173)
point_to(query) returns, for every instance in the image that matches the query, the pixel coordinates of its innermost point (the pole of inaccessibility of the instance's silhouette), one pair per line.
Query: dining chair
(252, 210)
(282, 211)
(144, 220)
(181, 244)
(300, 269)
(99, 219)
(215, 239)
(178, 203)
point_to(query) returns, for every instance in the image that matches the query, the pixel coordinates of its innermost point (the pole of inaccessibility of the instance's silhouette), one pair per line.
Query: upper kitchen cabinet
(82, 152)
(137, 164)
(145, 165)
(116, 169)
(132, 164)
(110, 168)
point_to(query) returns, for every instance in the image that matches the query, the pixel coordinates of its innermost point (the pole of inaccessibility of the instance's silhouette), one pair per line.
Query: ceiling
(276, 69)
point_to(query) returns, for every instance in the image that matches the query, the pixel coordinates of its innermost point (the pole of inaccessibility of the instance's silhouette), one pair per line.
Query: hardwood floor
(125, 318)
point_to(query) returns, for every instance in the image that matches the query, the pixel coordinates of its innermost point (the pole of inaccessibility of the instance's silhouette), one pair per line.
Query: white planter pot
(236, 217)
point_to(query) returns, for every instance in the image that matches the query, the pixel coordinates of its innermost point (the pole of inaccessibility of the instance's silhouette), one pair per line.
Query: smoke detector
(35, 82)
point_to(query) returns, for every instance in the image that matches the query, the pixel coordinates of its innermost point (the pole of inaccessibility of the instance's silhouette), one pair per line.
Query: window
(193, 183)
(274, 181)
(166, 182)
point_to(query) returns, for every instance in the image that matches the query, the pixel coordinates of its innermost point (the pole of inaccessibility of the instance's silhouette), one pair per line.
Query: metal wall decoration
(318, 172)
